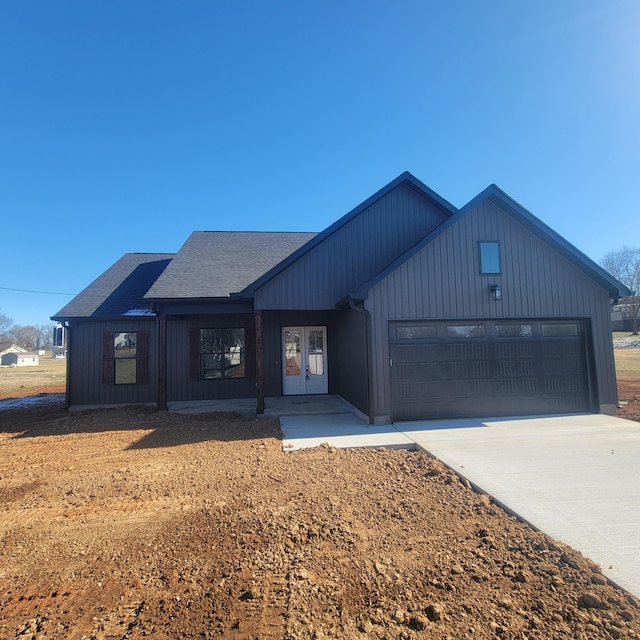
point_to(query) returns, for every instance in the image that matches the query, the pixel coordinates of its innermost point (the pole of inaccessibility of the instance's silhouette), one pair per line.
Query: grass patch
(627, 364)
(48, 377)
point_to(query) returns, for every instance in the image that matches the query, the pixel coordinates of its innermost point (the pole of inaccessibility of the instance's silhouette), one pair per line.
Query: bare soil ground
(133, 523)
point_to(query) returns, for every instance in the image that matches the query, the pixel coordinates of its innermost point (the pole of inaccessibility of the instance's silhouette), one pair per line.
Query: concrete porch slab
(274, 407)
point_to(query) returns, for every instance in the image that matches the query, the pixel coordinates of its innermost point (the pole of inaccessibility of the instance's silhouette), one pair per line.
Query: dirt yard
(132, 523)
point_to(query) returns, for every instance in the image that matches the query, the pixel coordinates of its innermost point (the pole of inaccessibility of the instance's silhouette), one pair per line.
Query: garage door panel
(469, 388)
(510, 368)
(517, 386)
(517, 349)
(421, 391)
(559, 366)
(417, 353)
(467, 351)
(469, 369)
(490, 370)
(420, 371)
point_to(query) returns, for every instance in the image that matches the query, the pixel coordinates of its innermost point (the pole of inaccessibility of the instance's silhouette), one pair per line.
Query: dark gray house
(406, 307)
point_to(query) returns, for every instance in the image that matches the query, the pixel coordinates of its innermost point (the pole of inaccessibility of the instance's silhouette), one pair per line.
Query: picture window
(222, 353)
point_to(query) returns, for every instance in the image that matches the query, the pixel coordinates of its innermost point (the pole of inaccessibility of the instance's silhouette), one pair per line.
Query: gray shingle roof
(215, 264)
(120, 289)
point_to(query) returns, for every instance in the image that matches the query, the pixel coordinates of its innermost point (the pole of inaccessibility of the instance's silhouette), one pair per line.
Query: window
(413, 332)
(465, 331)
(513, 331)
(559, 330)
(125, 357)
(222, 353)
(489, 258)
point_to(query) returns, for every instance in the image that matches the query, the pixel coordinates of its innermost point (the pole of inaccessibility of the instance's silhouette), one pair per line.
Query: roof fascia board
(405, 177)
(102, 318)
(498, 197)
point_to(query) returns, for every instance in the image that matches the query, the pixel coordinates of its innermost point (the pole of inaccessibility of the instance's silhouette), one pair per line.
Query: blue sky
(124, 126)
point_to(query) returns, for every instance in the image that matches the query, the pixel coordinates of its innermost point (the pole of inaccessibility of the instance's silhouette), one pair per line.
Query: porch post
(162, 363)
(259, 367)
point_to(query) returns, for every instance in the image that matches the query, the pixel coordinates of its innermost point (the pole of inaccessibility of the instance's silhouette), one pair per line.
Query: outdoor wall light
(496, 292)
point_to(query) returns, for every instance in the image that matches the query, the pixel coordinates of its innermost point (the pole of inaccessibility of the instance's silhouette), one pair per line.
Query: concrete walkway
(577, 478)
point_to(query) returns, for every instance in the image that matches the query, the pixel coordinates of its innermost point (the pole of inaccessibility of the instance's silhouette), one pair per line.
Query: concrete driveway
(577, 478)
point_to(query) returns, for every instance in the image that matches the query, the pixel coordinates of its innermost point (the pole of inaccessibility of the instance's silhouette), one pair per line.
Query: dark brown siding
(442, 281)
(353, 254)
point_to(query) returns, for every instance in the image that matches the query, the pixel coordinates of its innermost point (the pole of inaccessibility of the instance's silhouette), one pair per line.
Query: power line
(48, 293)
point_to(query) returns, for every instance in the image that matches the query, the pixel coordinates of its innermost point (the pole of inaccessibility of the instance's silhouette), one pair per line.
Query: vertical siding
(179, 386)
(442, 281)
(353, 254)
(350, 357)
(85, 364)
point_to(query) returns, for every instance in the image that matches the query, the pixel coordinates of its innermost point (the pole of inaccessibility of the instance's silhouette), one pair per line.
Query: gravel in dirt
(132, 523)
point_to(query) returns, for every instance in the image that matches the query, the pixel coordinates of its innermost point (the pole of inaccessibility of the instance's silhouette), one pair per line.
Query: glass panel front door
(304, 360)
(292, 359)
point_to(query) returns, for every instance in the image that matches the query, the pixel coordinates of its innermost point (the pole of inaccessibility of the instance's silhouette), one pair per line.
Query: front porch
(302, 405)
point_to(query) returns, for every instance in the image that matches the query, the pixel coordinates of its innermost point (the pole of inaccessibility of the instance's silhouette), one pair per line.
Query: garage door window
(513, 331)
(465, 331)
(559, 330)
(421, 332)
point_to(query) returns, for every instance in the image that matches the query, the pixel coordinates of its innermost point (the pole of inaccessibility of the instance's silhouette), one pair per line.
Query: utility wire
(48, 293)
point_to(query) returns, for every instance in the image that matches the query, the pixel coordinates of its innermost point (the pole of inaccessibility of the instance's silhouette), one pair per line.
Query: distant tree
(5, 328)
(26, 336)
(624, 264)
(45, 335)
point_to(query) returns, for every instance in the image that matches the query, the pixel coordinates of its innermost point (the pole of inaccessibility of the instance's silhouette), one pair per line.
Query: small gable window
(489, 258)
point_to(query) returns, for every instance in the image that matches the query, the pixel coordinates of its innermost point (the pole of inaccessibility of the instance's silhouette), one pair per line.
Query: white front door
(304, 360)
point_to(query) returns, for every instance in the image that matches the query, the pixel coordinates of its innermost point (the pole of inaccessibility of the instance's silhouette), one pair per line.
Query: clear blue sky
(126, 125)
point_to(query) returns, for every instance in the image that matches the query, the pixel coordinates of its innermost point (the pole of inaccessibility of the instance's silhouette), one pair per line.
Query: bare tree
(6, 323)
(45, 335)
(624, 264)
(25, 336)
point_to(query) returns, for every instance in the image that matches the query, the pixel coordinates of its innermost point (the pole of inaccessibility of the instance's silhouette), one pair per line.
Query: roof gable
(405, 178)
(216, 264)
(508, 205)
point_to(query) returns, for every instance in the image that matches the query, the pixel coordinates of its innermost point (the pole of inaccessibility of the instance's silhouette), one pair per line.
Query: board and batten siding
(442, 281)
(353, 253)
(85, 362)
(349, 349)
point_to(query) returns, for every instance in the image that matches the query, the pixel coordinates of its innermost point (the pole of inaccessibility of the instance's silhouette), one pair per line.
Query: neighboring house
(406, 307)
(16, 356)
(14, 348)
(622, 314)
